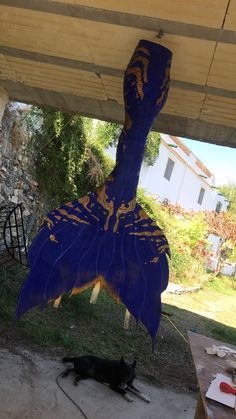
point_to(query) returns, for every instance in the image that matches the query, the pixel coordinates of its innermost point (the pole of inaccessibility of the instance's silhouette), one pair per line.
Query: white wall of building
(188, 176)
(186, 180)
(152, 177)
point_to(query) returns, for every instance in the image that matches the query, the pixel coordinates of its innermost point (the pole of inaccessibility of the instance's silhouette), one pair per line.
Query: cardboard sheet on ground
(214, 392)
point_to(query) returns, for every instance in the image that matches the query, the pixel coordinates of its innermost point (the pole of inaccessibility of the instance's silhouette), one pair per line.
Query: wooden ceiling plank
(85, 66)
(129, 19)
(170, 124)
(209, 13)
(230, 20)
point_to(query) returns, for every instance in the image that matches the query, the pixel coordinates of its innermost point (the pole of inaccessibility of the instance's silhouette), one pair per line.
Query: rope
(176, 328)
(67, 395)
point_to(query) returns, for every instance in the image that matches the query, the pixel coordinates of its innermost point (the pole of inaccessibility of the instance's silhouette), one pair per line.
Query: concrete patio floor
(28, 390)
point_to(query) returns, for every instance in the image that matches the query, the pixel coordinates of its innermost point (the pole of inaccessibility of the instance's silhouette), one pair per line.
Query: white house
(181, 178)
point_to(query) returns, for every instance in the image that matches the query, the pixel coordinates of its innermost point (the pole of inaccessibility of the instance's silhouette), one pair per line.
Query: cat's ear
(134, 364)
(122, 360)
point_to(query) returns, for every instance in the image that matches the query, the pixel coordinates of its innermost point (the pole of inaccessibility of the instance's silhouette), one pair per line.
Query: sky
(221, 161)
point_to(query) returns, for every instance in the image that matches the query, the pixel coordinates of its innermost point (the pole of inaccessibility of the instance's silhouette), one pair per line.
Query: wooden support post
(57, 302)
(95, 293)
(126, 320)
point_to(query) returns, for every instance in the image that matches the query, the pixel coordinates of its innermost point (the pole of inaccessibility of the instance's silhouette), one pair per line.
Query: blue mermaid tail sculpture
(106, 236)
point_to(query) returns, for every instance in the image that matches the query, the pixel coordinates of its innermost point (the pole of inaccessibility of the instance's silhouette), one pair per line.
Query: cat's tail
(66, 359)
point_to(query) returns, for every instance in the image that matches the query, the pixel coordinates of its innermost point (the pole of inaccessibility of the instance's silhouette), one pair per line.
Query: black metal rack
(12, 235)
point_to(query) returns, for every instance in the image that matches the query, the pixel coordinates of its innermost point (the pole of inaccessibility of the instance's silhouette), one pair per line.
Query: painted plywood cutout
(106, 236)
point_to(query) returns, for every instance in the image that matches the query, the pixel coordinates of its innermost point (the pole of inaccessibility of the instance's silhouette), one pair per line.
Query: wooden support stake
(95, 293)
(57, 302)
(126, 320)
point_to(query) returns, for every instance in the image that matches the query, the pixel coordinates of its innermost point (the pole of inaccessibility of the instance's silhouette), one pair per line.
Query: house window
(201, 195)
(218, 206)
(169, 169)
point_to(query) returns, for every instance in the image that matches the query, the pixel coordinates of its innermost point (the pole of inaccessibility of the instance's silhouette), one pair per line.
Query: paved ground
(28, 390)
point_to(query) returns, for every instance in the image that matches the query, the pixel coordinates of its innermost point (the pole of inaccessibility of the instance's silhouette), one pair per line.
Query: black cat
(118, 374)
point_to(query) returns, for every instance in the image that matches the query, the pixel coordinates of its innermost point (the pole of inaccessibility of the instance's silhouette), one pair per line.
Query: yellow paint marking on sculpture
(69, 204)
(139, 49)
(138, 74)
(147, 233)
(103, 199)
(103, 284)
(128, 121)
(163, 94)
(145, 50)
(167, 74)
(108, 288)
(85, 201)
(145, 62)
(53, 238)
(79, 220)
(50, 223)
(123, 209)
(142, 216)
(154, 260)
(72, 216)
(62, 211)
(58, 217)
(77, 290)
(163, 248)
(138, 55)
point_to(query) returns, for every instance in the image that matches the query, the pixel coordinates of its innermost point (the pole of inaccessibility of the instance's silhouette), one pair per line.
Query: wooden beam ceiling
(53, 50)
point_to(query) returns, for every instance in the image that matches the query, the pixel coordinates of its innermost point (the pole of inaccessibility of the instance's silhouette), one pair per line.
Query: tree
(221, 224)
(152, 148)
(107, 134)
(68, 163)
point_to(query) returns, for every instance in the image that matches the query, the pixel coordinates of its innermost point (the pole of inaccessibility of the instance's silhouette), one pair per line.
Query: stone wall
(17, 183)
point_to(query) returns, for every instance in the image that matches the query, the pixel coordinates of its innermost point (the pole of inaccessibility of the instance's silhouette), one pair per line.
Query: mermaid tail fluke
(89, 240)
